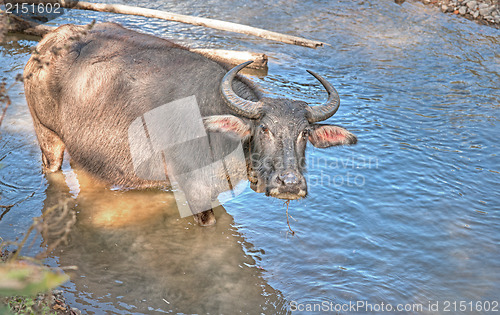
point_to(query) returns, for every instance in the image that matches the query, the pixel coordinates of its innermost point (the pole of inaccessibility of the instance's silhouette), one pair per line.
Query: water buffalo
(85, 88)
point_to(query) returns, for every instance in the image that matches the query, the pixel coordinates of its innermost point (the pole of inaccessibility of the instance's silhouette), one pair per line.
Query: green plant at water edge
(21, 279)
(20, 282)
(26, 306)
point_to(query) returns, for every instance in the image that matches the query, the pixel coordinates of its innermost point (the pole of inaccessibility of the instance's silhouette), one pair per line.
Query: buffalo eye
(304, 134)
(264, 129)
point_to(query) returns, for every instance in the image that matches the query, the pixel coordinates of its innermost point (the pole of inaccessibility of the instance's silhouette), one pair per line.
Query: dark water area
(408, 216)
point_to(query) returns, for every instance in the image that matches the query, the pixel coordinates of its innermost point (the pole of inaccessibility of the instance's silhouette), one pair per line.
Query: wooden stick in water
(234, 57)
(188, 19)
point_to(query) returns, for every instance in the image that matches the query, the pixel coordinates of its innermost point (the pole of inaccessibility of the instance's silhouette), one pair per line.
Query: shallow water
(408, 215)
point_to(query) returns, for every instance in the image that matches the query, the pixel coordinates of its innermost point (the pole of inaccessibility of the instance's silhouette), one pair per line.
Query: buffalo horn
(240, 105)
(328, 109)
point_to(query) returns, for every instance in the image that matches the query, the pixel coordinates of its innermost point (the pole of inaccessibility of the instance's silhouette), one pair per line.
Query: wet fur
(86, 97)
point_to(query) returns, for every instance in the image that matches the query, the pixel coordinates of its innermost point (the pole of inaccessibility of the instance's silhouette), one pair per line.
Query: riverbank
(483, 11)
(52, 302)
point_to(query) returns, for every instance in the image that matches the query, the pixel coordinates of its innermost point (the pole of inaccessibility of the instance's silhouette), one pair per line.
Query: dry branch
(234, 57)
(194, 20)
(19, 25)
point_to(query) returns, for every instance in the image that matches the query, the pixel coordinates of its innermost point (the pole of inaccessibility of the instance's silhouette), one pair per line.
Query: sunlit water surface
(408, 215)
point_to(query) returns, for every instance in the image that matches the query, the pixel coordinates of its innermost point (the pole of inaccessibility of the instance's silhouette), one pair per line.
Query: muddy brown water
(409, 216)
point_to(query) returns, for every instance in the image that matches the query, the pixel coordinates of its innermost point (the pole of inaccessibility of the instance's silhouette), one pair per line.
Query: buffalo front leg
(199, 200)
(205, 218)
(198, 193)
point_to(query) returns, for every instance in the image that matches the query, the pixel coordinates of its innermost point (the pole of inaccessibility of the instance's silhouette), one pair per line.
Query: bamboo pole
(194, 20)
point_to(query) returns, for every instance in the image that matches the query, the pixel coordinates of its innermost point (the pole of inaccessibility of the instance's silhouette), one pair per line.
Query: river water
(409, 217)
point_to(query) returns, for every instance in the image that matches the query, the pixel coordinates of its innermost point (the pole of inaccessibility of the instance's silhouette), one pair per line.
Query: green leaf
(28, 280)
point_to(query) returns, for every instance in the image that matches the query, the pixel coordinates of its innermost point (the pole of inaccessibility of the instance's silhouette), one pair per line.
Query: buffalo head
(278, 130)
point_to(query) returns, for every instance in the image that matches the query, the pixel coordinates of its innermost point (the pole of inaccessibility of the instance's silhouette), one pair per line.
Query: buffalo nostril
(289, 179)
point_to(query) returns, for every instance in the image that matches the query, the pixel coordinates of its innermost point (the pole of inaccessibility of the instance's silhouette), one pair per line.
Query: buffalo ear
(228, 124)
(324, 136)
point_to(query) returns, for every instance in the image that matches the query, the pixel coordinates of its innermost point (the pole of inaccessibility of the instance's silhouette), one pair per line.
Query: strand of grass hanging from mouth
(287, 203)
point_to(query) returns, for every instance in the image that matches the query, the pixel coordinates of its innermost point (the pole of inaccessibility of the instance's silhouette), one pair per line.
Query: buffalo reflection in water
(133, 252)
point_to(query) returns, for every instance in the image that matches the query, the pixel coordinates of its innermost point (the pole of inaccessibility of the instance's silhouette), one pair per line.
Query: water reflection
(132, 248)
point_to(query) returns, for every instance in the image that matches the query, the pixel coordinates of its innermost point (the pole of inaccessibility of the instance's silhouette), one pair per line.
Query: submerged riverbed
(409, 216)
